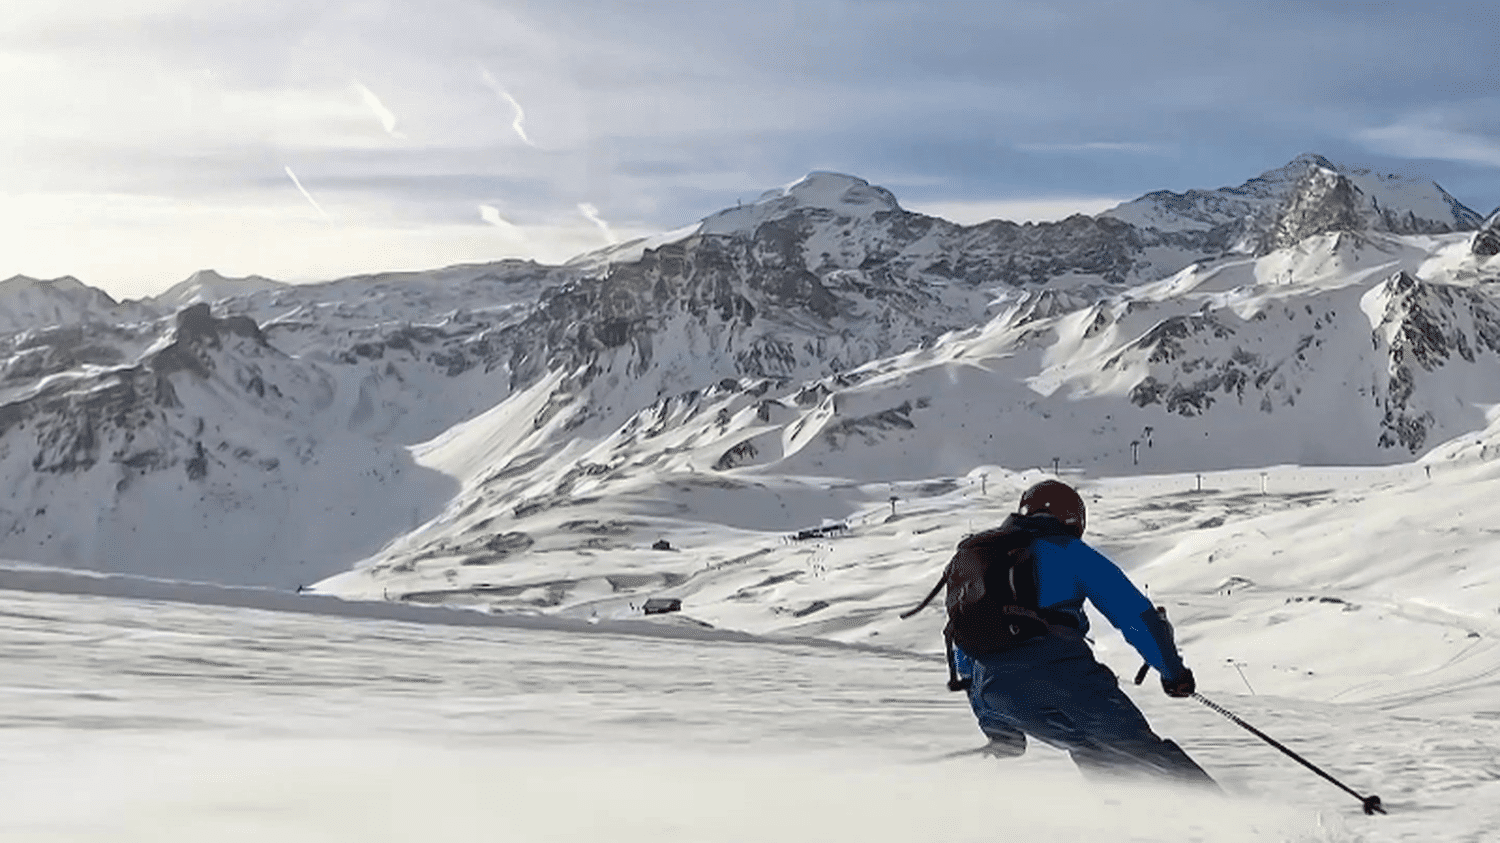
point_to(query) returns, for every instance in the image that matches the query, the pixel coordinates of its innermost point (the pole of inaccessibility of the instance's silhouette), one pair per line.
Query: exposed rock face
(35, 354)
(198, 335)
(1036, 253)
(814, 279)
(810, 281)
(820, 323)
(1426, 327)
(1195, 361)
(1322, 201)
(128, 415)
(1487, 238)
(195, 450)
(751, 301)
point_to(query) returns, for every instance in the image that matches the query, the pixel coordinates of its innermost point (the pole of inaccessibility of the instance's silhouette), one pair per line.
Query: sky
(152, 138)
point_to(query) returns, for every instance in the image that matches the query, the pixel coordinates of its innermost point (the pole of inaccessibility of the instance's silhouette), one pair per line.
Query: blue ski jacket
(1068, 571)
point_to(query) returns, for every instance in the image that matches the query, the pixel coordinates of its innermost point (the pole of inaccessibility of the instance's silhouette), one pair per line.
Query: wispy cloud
(491, 215)
(385, 115)
(518, 124)
(592, 214)
(1424, 138)
(669, 116)
(305, 195)
(1096, 146)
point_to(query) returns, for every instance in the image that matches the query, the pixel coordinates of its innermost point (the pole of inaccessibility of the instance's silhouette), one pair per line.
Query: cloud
(386, 116)
(1422, 138)
(491, 215)
(519, 123)
(111, 241)
(1096, 146)
(308, 196)
(673, 110)
(592, 214)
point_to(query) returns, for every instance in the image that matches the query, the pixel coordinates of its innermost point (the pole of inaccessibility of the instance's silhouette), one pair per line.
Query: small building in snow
(662, 605)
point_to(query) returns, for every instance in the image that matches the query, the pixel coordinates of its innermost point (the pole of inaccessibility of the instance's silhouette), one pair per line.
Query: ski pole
(1371, 803)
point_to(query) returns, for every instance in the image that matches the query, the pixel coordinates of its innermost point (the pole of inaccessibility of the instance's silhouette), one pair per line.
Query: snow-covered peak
(481, 413)
(29, 303)
(1290, 173)
(1309, 195)
(1202, 210)
(1422, 198)
(835, 191)
(206, 285)
(19, 283)
(1413, 198)
(844, 195)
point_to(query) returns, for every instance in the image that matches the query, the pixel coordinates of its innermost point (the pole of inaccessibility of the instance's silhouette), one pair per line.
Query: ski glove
(1182, 686)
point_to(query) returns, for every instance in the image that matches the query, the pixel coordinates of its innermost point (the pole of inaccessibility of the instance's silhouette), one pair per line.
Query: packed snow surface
(1346, 612)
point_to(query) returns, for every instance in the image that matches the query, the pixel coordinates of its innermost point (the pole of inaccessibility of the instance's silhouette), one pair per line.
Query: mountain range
(779, 368)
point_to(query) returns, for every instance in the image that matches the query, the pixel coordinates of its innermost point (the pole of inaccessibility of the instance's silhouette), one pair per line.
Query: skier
(1028, 667)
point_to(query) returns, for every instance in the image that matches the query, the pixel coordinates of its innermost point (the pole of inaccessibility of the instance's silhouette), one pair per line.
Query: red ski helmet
(1056, 499)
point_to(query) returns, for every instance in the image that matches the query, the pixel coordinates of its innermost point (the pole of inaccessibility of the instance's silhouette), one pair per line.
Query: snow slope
(1345, 351)
(819, 338)
(1345, 612)
(785, 418)
(28, 304)
(180, 485)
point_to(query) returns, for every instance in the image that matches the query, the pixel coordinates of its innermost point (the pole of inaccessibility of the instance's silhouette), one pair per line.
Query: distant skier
(1016, 642)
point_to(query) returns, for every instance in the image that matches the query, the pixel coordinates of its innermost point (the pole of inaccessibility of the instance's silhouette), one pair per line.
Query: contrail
(386, 116)
(308, 196)
(518, 124)
(593, 216)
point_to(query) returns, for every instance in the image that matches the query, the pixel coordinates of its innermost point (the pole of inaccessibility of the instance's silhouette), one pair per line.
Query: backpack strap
(1037, 530)
(942, 581)
(955, 682)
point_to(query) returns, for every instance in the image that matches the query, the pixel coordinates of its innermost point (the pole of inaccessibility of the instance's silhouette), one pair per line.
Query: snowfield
(368, 560)
(1346, 612)
(242, 724)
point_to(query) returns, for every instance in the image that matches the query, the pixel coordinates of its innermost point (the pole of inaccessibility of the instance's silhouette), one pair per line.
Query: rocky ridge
(1281, 207)
(820, 330)
(1487, 239)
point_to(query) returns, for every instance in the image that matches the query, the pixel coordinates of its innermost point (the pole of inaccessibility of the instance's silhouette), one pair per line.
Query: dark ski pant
(1053, 689)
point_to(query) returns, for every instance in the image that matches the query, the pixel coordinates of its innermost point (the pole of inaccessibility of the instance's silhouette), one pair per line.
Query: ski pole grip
(1161, 612)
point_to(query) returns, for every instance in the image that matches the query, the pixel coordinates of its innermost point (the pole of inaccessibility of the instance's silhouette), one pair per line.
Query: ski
(987, 749)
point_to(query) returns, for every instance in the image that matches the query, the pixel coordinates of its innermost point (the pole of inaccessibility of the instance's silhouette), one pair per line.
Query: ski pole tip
(1373, 806)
